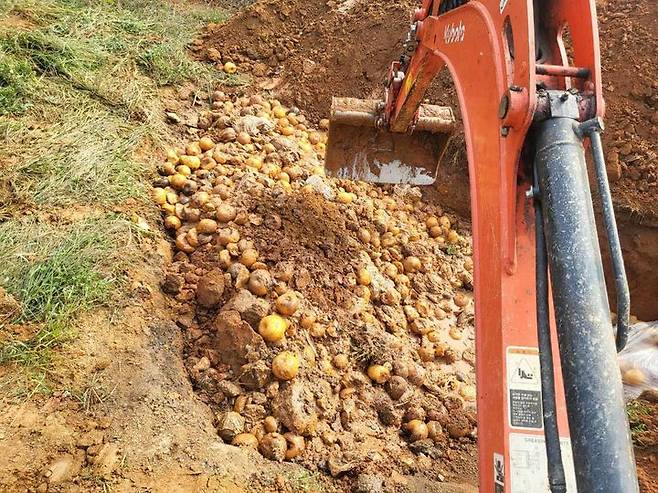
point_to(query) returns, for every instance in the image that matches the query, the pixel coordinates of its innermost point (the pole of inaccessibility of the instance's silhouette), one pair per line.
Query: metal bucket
(358, 150)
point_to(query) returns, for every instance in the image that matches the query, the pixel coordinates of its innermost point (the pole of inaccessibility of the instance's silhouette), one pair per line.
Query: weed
(305, 481)
(637, 411)
(35, 353)
(16, 77)
(451, 250)
(54, 273)
(94, 393)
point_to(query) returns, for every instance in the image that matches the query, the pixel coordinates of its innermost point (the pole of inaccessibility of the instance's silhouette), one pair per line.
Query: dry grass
(79, 112)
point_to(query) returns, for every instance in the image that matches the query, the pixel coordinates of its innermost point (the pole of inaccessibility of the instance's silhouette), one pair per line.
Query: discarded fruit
(634, 376)
(285, 365)
(273, 446)
(417, 430)
(296, 445)
(287, 303)
(245, 440)
(272, 328)
(379, 373)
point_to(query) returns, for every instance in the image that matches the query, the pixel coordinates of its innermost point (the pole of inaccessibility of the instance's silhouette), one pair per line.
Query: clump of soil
(328, 323)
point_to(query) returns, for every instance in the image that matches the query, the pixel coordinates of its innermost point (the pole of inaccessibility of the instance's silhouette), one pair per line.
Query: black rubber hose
(556, 477)
(621, 284)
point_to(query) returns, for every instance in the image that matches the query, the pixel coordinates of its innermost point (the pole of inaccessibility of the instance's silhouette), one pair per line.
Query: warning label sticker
(528, 468)
(524, 386)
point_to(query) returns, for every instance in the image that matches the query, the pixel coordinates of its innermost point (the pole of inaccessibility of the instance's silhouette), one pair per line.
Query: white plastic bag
(638, 361)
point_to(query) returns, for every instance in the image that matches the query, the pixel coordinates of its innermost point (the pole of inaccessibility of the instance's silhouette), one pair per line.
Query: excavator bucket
(358, 150)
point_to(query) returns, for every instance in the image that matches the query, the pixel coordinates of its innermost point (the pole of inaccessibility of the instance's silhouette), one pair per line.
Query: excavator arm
(528, 79)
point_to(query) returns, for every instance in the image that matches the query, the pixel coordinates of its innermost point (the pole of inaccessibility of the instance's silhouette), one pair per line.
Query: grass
(87, 75)
(16, 78)
(637, 411)
(56, 272)
(80, 115)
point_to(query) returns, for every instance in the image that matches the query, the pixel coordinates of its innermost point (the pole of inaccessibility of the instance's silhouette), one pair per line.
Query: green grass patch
(90, 156)
(86, 78)
(90, 35)
(16, 78)
(54, 270)
(36, 352)
(637, 411)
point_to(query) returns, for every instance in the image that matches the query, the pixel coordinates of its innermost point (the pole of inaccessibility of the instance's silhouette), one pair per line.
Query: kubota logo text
(454, 34)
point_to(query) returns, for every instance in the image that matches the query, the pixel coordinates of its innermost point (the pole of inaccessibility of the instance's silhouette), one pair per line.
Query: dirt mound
(324, 320)
(308, 51)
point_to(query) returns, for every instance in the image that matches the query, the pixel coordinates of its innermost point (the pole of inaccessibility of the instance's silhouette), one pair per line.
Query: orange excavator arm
(528, 78)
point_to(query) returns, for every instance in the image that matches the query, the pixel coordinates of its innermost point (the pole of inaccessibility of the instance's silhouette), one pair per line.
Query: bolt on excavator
(528, 77)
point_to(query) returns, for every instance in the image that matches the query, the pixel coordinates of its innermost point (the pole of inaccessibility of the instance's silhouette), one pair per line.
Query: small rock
(338, 466)
(172, 117)
(213, 55)
(210, 289)
(458, 426)
(250, 307)
(63, 469)
(273, 446)
(294, 407)
(260, 69)
(255, 375)
(613, 166)
(650, 395)
(426, 447)
(368, 483)
(9, 307)
(106, 460)
(308, 66)
(387, 413)
(172, 284)
(235, 338)
(202, 365)
(229, 425)
(229, 389)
